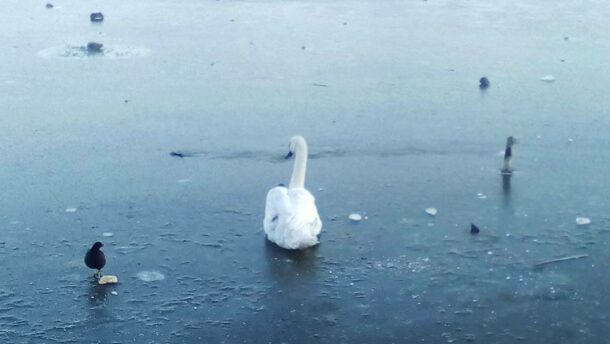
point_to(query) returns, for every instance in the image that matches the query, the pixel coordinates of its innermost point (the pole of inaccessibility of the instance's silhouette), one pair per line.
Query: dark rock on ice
(97, 17)
(474, 229)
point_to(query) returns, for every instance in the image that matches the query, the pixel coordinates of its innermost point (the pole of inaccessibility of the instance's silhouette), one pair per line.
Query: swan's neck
(300, 165)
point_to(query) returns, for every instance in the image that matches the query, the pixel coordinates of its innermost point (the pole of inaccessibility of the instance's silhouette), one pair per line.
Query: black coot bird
(95, 259)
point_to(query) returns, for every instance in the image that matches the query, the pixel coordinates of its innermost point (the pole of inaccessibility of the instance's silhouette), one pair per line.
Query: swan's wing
(277, 206)
(306, 219)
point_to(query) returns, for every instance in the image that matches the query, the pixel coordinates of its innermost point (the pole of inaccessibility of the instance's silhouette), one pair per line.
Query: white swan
(291, 217)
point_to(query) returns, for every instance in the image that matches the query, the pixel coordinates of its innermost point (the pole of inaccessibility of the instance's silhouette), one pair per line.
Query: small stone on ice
(474, 229)
(583, 221)
(548, 78)
(70, 210)
(97, 17)
(355, 217)
(431, 211)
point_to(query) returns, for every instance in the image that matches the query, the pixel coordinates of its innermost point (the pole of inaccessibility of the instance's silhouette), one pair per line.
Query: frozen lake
(386, 92)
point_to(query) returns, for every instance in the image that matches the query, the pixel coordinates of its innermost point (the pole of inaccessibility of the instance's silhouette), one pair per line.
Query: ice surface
(401, 125)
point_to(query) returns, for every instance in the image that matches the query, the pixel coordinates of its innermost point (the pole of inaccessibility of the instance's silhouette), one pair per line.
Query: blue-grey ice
(387, 95)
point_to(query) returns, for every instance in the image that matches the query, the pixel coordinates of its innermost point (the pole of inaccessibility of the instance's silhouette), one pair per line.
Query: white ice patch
(548, 78)
(108, 234)
(583, 221)
(355, 217)
(71, 210)
(150, 276)
(431, 211)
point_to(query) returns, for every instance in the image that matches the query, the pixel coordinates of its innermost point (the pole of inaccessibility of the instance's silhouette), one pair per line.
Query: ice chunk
(582, 221)
(108, 279)
(71, 210)
(548, 78)
(431, 211)
(355, 217)
(108, 234)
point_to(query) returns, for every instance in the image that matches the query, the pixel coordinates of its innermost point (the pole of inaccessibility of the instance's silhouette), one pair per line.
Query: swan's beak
(289, 155)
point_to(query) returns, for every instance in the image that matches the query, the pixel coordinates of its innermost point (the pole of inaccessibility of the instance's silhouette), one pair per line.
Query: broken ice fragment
(108, 279)
(355, 217)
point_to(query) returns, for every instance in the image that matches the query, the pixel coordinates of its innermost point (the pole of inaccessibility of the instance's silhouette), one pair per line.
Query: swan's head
(510, 141)
(296, 142)
(97, 246)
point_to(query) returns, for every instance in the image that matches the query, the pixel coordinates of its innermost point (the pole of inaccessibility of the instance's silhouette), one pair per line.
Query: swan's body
(508, 156)
(291, 217)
